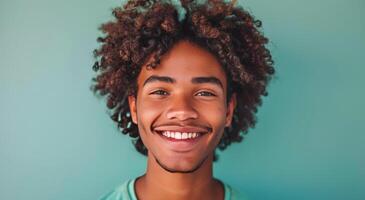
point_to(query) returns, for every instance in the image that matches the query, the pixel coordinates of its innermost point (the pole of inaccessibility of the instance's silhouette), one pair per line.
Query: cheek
(148, 110)
(215, 114)
(147, 113)
(145, 120)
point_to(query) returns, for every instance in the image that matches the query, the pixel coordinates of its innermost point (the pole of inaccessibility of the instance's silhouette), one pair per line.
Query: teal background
(58, 143)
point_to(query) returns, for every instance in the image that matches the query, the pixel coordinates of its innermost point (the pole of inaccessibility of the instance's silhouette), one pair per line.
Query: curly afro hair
(149, 27)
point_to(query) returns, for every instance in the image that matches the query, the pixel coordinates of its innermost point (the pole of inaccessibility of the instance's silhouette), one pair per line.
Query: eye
(159, 92)
(205, 93)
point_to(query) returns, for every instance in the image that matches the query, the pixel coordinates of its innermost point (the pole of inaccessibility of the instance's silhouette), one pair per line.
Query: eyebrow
(195, 80)
(209, 79)
(154, 78)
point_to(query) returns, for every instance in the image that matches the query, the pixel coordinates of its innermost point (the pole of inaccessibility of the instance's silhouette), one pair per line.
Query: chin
(181, 165)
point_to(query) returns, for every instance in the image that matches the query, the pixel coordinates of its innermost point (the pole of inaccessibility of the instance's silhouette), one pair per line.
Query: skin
(190, 97)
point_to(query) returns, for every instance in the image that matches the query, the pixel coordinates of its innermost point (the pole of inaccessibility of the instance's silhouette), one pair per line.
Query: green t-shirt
(126, 190)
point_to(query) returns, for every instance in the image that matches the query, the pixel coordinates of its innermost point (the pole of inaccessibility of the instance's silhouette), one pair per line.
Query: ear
(133, 108)
(230, 109)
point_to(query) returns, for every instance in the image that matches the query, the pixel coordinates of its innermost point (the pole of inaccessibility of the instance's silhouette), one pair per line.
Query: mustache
(184, 124)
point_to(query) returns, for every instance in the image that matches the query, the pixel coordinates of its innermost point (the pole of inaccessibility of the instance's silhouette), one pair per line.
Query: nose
(181, 109)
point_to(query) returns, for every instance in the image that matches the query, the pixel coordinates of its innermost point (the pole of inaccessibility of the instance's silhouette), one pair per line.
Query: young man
(182, 85)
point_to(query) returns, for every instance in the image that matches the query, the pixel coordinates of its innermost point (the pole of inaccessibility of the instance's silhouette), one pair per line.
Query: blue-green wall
(57, 142)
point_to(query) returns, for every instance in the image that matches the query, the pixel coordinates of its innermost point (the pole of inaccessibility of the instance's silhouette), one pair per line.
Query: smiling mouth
(181, 139)
(177, 135)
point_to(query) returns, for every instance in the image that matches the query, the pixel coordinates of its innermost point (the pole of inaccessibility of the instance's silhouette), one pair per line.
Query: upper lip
(179, 128)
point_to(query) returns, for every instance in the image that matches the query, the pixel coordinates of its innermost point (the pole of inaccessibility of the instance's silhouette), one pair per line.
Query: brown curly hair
(149, 27)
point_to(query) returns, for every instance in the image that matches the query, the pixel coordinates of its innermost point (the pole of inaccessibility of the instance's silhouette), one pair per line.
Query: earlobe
(230, 109)
(133, 108)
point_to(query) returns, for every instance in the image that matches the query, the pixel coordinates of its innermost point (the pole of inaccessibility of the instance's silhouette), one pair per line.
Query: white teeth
(180, 135)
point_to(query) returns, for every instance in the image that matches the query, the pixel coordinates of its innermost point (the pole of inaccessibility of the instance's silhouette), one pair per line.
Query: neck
(159, 183)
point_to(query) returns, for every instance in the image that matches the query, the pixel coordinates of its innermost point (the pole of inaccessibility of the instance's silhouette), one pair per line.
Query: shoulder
(124, 191)
(233, 194)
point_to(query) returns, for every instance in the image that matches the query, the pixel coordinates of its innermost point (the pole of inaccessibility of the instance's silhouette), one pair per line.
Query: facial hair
(181, 171)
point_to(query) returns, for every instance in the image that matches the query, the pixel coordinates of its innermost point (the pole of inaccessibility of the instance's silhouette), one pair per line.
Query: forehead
(184, 61)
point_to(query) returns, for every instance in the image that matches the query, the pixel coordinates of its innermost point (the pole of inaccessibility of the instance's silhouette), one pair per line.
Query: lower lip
(181, 145)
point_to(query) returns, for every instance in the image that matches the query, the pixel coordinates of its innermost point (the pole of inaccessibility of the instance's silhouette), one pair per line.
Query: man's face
(181, 109)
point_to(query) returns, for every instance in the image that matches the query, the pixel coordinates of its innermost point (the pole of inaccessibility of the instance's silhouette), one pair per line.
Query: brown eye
(205, 93)
(159, 92)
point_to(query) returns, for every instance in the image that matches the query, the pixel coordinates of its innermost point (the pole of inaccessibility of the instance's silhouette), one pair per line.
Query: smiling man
(182, 84)
(181, 112)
